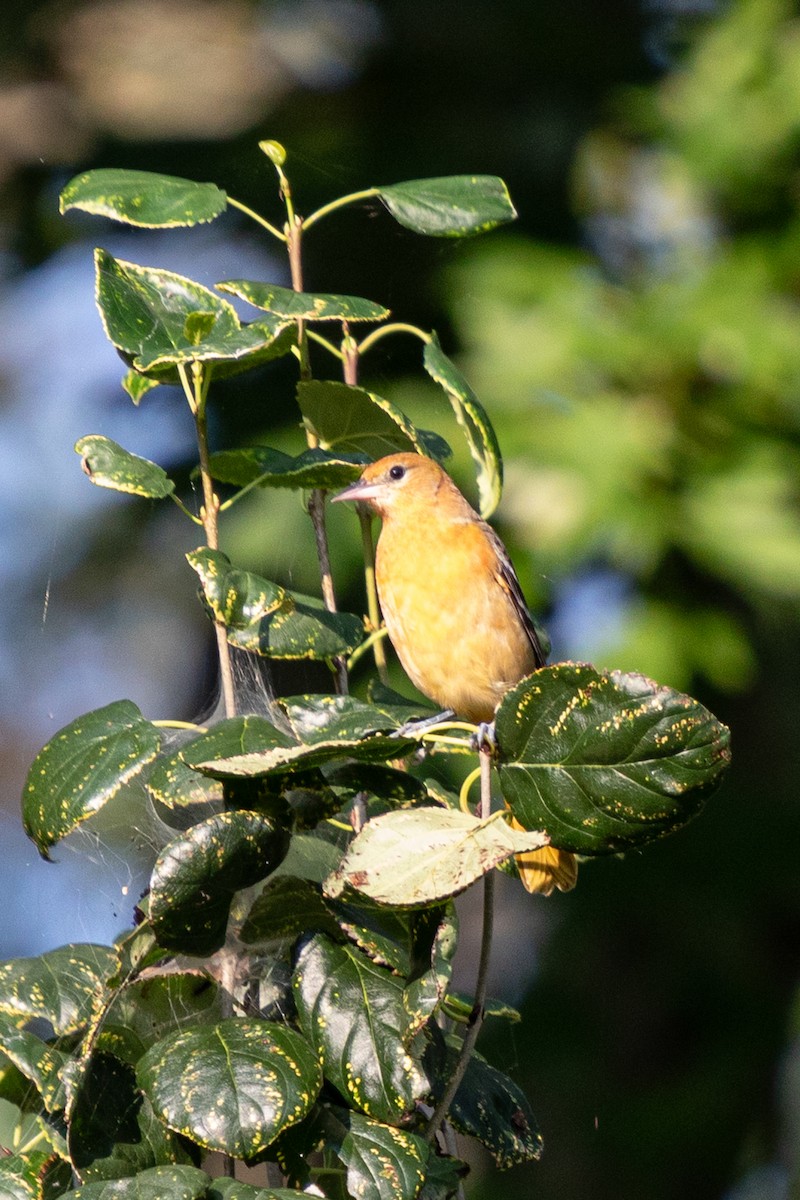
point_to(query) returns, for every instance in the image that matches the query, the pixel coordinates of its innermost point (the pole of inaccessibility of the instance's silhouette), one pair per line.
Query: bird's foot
(484, 739)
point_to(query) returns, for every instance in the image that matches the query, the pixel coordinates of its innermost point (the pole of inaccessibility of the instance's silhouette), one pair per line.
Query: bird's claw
(484, 739)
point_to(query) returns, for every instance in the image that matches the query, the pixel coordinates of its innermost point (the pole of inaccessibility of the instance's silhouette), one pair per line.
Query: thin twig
(476, 1016)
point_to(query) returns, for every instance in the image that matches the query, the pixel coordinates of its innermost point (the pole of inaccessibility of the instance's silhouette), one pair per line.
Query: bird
(453, 608)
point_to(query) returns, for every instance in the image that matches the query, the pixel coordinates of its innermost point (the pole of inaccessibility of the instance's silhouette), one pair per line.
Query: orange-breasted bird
(453, 607)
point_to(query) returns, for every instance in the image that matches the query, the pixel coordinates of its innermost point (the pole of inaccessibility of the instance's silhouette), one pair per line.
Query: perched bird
(453, 607)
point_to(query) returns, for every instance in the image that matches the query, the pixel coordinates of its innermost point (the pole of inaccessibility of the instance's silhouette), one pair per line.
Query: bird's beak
(360, 490)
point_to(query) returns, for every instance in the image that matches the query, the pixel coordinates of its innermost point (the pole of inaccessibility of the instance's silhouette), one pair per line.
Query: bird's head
(396, 481)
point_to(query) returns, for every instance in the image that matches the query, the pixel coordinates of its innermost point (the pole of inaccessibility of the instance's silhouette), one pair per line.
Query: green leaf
(284, 908)
(473, 419)
(142, 198)
(303, 306)
(603, 760)
(150, 315)
(22, 1176)
(325, 727)
(417, 856)
(197, 874)
(302, 629)
(451, 206)
(108, 465)
(490, 1107)
(137, 386)
(352, 1012)
(112, 1128)
(356, 421)
(234, 1086)
(310, 857)
(234, 1189)
(272, 468)
(387, 782)
(40, 1063)
(174, 784)
(236, 598)
(436, 942)
(383, 1163)
(158, 1183)
(82, 767)
(60, 986)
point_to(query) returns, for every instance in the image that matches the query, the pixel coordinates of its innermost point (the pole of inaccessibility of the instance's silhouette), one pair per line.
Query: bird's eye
(396, 472)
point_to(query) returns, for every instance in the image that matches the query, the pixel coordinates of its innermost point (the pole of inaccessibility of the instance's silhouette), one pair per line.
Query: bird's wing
(507, 578)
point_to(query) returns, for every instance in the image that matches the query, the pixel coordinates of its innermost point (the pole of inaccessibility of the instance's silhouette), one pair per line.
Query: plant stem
(352, 198)
(316, 501)
(395, 327)
(476, 1016)
(254, 216)
(196, 393)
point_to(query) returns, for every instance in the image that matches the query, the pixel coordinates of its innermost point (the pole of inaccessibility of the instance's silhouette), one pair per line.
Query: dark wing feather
(507, 577)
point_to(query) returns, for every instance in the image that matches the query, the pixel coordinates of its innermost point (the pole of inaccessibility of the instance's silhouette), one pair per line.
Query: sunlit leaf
(236, 598)
(383, 1163)
(60, 986)
(473, 419)
(353, 420)
(234, 1086)
(157, 1183)
(451, 206)
(108, 465)
(82, 767)
(143, 198)
(416, 856)
(603, 760)
(352, 1012)
(40, 1063)
(302, 628)
(272, 468)
(306, 306)
(151, 316)
(284, 908)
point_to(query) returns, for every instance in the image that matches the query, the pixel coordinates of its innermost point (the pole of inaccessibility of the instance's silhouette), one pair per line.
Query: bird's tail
(541, 871)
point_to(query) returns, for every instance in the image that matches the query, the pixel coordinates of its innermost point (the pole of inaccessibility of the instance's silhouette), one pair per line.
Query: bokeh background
(636, 340)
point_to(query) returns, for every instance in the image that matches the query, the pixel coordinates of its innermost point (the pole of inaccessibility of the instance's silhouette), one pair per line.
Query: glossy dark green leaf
(326, 727)
(604, 760)
(145, 313)
(82, 767)
(352, 1012)
(473, 419)
(112, 1128)
(383, 1163)
(442, 1178)
(60, 986)
(384, 934)
(158, 1183)
(386, 782)
(174, 784)
(109, 466)
(352, 420)
(416, 856)
(285, 907)
(40, 1063)
(233, 1189)
(435, 944)
(303, 306)
(143, 198)
(197, 874)
(22, 1175)
(490, 1107)
(232, 1087)
(302, 629)
(272, 468)
(451, 206)
(236, 598)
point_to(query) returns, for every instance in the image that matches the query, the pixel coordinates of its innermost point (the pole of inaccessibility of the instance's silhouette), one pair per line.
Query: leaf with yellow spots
(303, 306)
(176, 1182)
(82, 767)
(60, 986)
(352, 1011)
(603, 760)
(490, 1107)
(234, 1086)
(383, 1163)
